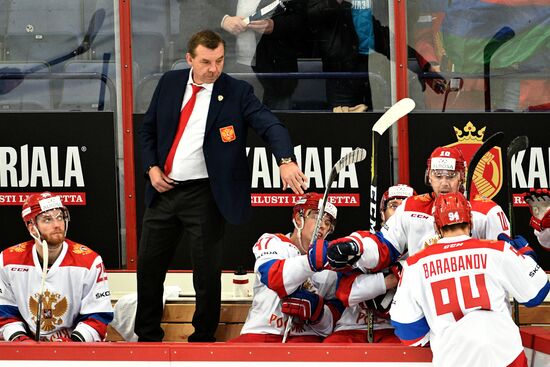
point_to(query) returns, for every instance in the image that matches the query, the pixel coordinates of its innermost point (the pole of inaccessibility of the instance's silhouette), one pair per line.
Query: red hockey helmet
(399, 191)
(446, 159)
(451, 208)
(312, 200)
(40, 203)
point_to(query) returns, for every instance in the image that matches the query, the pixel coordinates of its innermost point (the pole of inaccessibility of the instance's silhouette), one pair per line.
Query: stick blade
(517, 145)
(357, 155)
(398, 110)
(493, 141)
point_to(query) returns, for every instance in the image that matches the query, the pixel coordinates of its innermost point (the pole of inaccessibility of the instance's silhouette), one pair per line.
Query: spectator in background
(348, 33)
(195, 15)
(198, 178)
(269, 45)
(454, 293)
(451, 37)
(76, 302)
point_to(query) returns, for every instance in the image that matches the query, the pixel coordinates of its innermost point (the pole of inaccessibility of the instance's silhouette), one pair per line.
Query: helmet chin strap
(299, 231)
(32, 231)
(43, 244)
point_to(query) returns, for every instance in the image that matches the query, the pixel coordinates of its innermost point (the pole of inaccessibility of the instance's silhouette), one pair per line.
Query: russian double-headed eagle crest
(53, 309)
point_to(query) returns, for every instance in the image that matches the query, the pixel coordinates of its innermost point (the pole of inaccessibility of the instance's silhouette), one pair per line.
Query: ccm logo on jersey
(102, 294)
(453, 245)
(20, 269)
(421, 216)
(533, 272)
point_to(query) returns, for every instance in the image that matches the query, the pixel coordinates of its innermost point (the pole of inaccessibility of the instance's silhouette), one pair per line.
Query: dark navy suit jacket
(233, 104)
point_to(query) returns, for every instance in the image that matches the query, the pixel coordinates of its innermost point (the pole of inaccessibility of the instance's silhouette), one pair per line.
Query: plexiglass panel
(481, 55)
(298, 54)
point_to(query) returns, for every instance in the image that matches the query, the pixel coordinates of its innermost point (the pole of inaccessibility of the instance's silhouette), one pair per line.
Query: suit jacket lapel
(216, 102)
(179, 91)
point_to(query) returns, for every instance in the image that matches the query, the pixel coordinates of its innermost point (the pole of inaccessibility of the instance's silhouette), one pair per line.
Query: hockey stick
(96, 22)
(398, 110)
(45, 260)
(395, 112)
(518, 144)
(493, 141)
(504, 35)
(355, 156)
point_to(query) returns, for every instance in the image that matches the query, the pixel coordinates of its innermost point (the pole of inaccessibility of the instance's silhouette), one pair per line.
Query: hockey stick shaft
(491, 142)
(501, 37)
(355, 156)
(397, 111)
(45, 260)
(518, 144)
(96, 22)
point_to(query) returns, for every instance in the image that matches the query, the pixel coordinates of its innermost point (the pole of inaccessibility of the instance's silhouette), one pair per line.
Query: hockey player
(75, 303)
(357, 291)
(454, 293)
(539, 204)
(392, 198)
(286, 284)
(411, 227)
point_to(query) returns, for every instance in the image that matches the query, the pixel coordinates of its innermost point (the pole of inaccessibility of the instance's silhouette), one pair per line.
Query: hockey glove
(23, 338)
(342, 253)
(520, 244)
(539, 204)
(317, 255)
(62, 339)
(381, 304)
(304, 305)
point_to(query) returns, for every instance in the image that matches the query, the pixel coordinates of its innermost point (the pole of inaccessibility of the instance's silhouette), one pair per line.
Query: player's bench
(177, 317)
(178, 312)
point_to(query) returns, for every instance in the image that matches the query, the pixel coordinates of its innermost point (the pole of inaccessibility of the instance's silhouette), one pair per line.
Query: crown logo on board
(469, 134)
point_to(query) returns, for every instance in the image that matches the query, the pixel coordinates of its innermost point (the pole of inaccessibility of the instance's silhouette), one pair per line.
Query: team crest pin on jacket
(220, 98)
(228, 134)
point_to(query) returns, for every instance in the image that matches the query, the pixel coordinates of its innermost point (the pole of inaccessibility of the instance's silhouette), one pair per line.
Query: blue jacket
(233, 104)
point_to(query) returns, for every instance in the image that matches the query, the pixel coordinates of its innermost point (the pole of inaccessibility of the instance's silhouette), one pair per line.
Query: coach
(193, 143)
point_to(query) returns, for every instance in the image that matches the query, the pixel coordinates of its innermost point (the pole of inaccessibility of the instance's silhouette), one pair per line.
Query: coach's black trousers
(189, 209)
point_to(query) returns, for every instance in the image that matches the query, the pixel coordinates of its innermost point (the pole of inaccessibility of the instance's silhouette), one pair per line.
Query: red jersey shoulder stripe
(482, 205)
(420, 203)
(283, 238)
(78, 255)
(470, 244)
(20, 254)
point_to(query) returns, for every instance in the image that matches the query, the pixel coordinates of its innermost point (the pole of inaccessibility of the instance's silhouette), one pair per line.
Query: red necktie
(184, 118)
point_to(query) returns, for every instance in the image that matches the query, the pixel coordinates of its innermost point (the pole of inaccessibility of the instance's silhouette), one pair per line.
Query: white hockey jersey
(280, 269)
(411, 229)
(353, 290)
(445, 283)
(76, 296)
